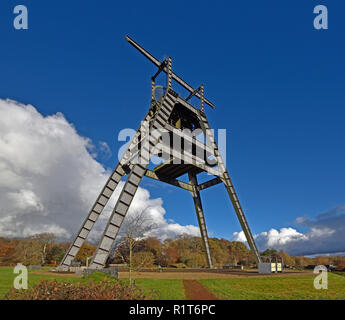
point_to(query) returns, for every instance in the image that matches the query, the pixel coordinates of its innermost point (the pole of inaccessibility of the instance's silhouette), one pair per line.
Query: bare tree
(45, 240)
(133, 230)
(34, 249)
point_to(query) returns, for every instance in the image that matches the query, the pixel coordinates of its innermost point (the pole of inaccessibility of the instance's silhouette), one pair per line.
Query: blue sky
(277, 83)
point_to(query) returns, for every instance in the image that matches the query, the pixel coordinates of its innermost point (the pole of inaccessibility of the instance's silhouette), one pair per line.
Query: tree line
(184, 251)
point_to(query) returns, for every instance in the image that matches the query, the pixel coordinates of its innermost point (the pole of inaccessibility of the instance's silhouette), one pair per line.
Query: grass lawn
(163, 289)
(7, 277)
(283, 287)
(286, 288)
(342, 273)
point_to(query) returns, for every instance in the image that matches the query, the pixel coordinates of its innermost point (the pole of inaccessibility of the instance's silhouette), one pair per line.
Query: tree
(195, 260)
(239, 253)
(7, 250)
(171, 256)
(45, 241)
(86, 251)
(34, 249)
(287, 259)
(28, 252)
(55, 254)
(300, 262)
(340, 264)
(270, 253)
(143, 259)
(219, 251)
(133, 230)
(154, 245)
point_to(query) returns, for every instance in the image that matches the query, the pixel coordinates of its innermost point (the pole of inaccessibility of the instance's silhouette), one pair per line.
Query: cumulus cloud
(49, 178)
(325, 235)
(153, 212)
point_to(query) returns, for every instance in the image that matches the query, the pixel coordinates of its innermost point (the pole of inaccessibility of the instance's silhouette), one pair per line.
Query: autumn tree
(7, 250)
(44, 243)
(340, 264)
(320, 260)
(300, 262)
(28, 252)
(270, 253)
(239, 253)
(139, 251)
(86, 251)
(171, 256)
(153, 245)
(287, 259)
(55, 254)
(195, 260)
(219, 251)
(142, 259)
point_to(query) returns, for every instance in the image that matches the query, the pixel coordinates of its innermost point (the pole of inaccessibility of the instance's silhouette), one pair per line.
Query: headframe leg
(201, 218)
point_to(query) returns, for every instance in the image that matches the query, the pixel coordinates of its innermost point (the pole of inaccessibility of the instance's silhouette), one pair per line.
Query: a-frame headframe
(147, 142)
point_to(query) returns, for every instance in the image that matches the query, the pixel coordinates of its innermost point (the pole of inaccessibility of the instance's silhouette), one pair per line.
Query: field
(234, 286)
(165, 289)
(277, 288)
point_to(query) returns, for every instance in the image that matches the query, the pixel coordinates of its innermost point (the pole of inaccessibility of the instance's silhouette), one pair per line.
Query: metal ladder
(104, 196)
(132, 183)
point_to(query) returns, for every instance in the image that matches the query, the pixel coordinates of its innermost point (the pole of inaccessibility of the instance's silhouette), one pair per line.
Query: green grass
(163, 289)
(96, 277)
(7, 277)
(341, 273)
(276, 288)
(289, 287)
(6, 280)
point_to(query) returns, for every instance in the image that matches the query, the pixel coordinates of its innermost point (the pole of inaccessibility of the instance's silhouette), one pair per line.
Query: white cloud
(26, 200)
(325, 235)
(274, 238)
(49, 179)
(239, 236)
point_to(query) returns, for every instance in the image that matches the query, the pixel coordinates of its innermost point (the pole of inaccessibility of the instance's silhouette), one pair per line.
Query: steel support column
(201, 219)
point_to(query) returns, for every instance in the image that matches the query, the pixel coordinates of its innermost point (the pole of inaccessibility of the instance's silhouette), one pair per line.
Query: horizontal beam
(177, 183)
(187, 158)
(165, 69)
(209, 183)
(189, 138)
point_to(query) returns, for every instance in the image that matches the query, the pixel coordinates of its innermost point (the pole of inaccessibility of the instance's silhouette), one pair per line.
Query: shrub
(54, 290)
